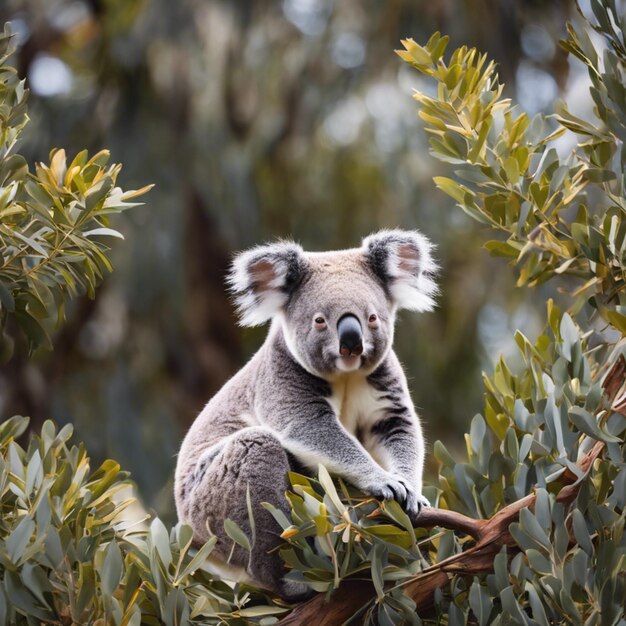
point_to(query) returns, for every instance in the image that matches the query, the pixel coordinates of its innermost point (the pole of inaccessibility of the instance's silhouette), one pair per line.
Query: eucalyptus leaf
(236, 534)
(112, 568)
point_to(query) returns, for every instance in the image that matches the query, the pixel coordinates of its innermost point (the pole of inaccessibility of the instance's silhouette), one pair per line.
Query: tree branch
(431, 517)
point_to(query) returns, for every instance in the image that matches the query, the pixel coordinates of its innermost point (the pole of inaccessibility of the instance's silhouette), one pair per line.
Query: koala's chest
(357, 404)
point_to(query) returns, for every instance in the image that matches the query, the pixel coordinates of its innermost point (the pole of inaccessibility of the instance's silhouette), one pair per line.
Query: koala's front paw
(415, 503)
(390, 487)
(386, 486)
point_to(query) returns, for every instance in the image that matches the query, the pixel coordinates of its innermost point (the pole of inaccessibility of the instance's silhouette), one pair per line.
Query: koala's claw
(390, 488)
(414, 503)
(397, 489)
(419, 505)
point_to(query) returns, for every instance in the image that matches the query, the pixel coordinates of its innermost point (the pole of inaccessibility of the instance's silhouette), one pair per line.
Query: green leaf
(34, 473)
(198, 559)
(540, 563)
(250, 513)
(581, 533)
(107, 232)
(391, 534)
(176, 608)
(36, 581)
(538, 612)
(500, 568)
(588, 424)
(597, 175)
(529, 523)
(480, 603)
(236, 534)
(511, 606)
(511, 168)
(442, 455)
(260, 611)
(618, 320)
(327, 482)
(12, 428)
(184, 537)
(478, 430)
(96, 194)
(502, 249)
(569, 335)
(277, 514)
(377, 555)
(417, 53)
(19, 538)
(452, 188)
(160, 540)
(35, 245)
(112, 568)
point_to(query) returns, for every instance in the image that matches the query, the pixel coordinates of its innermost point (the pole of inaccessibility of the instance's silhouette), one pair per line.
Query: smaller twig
(431, 517)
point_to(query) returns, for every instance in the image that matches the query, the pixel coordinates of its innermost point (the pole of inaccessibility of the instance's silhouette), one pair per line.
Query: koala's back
(228, 412)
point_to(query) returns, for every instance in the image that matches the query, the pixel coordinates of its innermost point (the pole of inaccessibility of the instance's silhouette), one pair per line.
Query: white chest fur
(356, 403)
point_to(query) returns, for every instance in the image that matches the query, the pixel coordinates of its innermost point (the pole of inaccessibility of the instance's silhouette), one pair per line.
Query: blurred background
(257, 120)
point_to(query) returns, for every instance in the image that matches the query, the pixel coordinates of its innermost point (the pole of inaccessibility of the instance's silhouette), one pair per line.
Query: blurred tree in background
(257, 120)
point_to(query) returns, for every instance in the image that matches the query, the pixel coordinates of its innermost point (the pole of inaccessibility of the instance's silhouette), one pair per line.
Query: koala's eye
(373, 318)
(319, 322)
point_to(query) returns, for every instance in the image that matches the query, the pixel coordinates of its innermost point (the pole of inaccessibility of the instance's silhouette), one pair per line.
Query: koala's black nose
(350, 336)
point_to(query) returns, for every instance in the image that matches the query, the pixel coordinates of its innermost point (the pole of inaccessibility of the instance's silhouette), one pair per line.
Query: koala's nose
(350, 336)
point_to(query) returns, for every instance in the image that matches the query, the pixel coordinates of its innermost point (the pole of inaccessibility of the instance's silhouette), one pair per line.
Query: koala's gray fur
(299, 401)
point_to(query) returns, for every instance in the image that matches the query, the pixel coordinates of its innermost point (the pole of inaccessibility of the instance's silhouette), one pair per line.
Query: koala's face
(339, 319)
(336, 309)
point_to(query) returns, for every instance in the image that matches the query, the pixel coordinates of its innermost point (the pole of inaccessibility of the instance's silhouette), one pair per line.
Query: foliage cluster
(72, 553)
(51, 222)
(558, 216)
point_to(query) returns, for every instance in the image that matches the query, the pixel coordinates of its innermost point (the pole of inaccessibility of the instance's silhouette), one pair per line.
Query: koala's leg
(251, 459)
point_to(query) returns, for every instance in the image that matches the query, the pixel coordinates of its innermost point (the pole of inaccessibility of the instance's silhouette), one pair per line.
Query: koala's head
(336, 309)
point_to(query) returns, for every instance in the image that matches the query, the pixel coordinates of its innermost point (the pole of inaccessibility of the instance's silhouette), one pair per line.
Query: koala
(325, 387)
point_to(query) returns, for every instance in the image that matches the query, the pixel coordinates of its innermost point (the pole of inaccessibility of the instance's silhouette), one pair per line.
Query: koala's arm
(296, 407)
(316, 436)
(397, 434)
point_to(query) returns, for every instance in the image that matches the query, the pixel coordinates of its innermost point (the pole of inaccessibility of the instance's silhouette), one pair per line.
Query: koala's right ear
(402, 260)
(263, 278)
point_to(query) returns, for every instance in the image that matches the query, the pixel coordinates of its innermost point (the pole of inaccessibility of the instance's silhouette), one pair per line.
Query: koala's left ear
(263, 278)
(402, 260)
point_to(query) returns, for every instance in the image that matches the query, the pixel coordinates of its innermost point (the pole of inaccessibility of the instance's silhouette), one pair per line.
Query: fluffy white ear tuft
(402, 259)
(263, 278)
